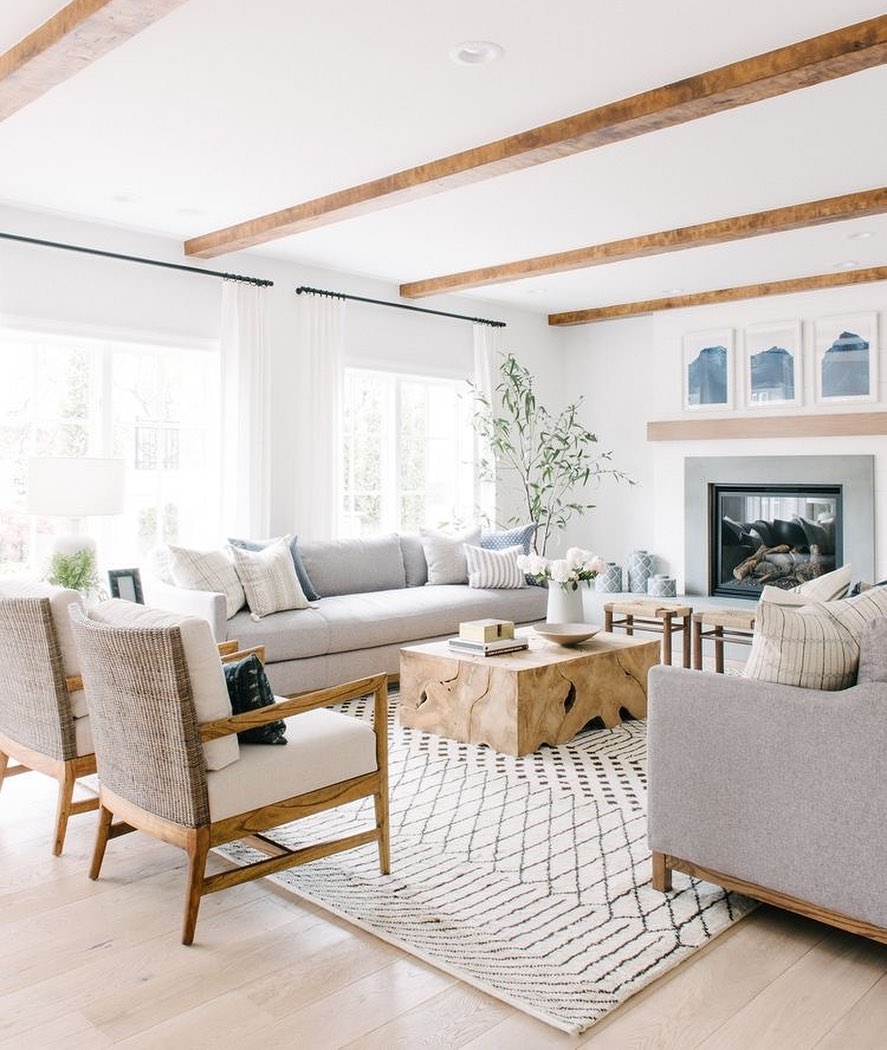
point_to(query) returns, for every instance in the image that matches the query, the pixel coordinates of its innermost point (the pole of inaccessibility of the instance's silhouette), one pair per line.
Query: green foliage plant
(77, 571)
(554, 458)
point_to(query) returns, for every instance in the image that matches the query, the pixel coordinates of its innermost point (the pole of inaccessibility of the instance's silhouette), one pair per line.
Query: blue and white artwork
(847, 358)
(773, 365)
(708, 366)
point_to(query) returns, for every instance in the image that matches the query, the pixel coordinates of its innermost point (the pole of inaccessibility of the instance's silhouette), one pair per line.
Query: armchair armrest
(779, 786)
(208, 605)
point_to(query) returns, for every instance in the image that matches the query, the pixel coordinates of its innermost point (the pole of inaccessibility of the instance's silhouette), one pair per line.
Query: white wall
(65, 289)
(630, 373)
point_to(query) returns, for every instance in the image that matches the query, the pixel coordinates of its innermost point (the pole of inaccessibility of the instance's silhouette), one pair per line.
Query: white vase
(564, 604)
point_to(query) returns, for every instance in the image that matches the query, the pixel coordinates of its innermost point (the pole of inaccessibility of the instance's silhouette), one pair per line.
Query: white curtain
(320, 350)
(489, 345)
(246, 444)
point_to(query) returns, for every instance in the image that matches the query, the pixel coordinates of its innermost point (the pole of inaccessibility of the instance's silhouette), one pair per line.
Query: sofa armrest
(776, 785)
(208, 605)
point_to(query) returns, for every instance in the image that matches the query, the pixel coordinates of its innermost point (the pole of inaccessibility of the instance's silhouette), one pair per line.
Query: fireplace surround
(846, 481)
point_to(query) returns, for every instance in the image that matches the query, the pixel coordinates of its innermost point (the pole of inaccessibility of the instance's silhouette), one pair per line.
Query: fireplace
(772, 535)
(762, 496)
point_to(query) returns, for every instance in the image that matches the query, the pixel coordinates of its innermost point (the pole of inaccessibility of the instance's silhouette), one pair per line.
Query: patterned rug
(525, 877)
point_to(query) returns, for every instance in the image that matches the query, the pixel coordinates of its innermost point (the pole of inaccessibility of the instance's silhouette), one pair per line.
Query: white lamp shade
(75, 487)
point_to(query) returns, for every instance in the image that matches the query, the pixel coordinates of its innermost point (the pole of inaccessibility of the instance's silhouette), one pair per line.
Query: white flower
(522, 561)
(597, 564)
(534, 564)
(561, 570)
(575, 555)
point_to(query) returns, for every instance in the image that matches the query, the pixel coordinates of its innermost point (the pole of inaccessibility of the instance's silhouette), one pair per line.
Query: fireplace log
(751, 564)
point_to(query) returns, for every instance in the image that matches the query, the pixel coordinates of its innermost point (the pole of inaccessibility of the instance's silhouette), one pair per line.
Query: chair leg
(66, 797)
(4, 762)
(103, 833)
(661, 873)
(197, 848)
(381, 804)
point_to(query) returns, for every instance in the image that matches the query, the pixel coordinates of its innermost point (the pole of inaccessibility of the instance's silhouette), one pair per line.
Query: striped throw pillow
(207, 571)
(816, 646)
(494, 569)
(269, 578)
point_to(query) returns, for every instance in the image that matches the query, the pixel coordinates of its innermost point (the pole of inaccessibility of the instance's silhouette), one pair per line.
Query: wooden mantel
(843, 424)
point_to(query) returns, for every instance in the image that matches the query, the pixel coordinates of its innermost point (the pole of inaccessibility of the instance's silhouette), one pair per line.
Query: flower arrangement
(577, 566)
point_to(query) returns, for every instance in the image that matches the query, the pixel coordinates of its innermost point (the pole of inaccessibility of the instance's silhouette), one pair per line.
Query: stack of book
(487, 638)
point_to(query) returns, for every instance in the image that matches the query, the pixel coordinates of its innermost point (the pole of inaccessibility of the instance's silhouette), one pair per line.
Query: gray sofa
(774, 791)
(374, 599)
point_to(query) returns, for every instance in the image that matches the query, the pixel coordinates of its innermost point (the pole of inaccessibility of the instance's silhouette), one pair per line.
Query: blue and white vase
(640, 569)
(610, 580)
(662, 586)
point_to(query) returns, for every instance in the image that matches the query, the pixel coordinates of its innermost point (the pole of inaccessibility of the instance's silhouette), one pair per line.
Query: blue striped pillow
(494, 569)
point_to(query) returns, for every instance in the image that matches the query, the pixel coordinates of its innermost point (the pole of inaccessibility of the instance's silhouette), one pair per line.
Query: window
(408, 453)
(155, 407)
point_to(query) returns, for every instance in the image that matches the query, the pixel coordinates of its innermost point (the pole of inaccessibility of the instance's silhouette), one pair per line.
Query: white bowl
(566, 633)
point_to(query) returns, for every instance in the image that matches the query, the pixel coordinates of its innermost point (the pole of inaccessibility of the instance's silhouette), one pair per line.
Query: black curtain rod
(261, 282)
(303, 289)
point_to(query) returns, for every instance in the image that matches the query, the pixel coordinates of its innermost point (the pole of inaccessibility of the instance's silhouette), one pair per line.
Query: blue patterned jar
(610, 580)
(662, 586)
(640, 569)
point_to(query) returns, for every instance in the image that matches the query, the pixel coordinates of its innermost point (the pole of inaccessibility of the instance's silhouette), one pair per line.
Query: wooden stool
(725, 625)
(659, 617)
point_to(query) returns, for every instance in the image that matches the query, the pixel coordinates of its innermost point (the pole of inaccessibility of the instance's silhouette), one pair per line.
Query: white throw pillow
(207, 571)
(492, 568)
(816, 646)
(269, 578)
(445, 554)
(829, 587)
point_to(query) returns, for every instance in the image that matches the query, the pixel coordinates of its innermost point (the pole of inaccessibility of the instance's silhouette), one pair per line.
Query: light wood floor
(90, 965)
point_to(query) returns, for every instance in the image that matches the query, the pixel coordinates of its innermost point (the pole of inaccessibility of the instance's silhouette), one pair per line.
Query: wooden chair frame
(197, 842)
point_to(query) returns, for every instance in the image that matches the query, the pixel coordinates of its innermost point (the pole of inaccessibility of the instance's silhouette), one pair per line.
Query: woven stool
(655, 616)
(724, 625)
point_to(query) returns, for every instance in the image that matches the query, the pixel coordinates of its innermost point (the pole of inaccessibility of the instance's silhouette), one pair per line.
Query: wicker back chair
(38, 728)
(142, 681)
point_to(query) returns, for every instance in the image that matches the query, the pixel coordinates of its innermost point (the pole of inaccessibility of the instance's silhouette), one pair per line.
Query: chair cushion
(445, 554)
(324, 747)
(494, 568)
(269, 578)
(355, 566)
(250, 690)
(207, 571)
(301, 572)
(83, 736)
(204, 666)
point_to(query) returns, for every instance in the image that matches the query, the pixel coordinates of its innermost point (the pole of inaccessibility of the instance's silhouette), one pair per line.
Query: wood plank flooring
(91, 965)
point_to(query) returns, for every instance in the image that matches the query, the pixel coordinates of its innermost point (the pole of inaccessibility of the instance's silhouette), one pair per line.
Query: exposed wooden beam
(836, 54)
(720, 295)
(844, 424)
(74, 37)
(704, 234)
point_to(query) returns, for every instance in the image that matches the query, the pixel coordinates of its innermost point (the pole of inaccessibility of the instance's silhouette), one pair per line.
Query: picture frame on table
(126, 584)
(772, 365)
(846, 358)
(708, 369)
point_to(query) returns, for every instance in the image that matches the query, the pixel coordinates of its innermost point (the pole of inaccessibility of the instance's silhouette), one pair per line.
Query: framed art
(846, 352)
(708, 370)
(771, 365)
(126, 584)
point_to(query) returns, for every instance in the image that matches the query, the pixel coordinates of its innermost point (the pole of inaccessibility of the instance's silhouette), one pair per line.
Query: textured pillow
(207, 571)
(250, 690)
(816, 646)
(873, 651)
(496, 569)
(269, 579)
(818, 533)
(826, 588)
(499, 541)
(301, 572)
(445, 554)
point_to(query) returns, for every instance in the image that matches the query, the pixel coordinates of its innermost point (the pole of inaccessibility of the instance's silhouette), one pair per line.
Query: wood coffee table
(518, 701)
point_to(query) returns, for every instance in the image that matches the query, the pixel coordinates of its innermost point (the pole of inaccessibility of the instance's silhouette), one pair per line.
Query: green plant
(552, 457)
(77, 571)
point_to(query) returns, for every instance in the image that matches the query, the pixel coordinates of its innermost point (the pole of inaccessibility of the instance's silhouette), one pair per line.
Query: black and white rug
(529, 878)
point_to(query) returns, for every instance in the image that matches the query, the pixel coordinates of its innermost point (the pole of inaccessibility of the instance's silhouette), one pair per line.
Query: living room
(146, 169)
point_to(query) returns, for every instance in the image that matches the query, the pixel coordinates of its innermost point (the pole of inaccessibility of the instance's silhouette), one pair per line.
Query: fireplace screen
(776, 536)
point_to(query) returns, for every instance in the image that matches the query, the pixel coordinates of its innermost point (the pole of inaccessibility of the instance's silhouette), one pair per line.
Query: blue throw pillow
(301, 571)
(250, 690)
(520, 536)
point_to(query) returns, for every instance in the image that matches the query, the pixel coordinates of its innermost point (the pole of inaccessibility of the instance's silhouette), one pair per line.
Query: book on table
(496, 648)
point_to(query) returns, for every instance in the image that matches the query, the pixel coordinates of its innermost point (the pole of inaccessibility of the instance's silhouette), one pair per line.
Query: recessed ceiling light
(476, 52)
(847, 264)
(863, 235)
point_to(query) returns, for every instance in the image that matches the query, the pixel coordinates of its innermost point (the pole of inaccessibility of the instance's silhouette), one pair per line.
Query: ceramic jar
(610, 580)
(640, 569)
(662, 586)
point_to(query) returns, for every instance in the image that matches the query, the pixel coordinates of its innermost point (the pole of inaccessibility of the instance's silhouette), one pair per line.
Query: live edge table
(515, 702)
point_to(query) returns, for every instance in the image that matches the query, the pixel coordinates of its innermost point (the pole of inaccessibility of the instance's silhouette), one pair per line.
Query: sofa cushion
(816, 646)
(415, 566)
(494, 568)
(323, 747)
(207, 571)
(304, 579)
(445, 554)
(288, 635)
(521, 535)
(269, 578)
(873, 651)
(204, 666)
(354, 566)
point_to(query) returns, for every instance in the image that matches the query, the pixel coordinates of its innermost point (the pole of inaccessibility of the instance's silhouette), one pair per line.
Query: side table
(659, 617)
(721, 625)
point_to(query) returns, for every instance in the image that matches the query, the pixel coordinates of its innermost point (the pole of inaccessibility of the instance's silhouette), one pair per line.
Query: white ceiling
(225, 110)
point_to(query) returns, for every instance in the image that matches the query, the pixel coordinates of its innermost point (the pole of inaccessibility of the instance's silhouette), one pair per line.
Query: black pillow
(249, 690)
